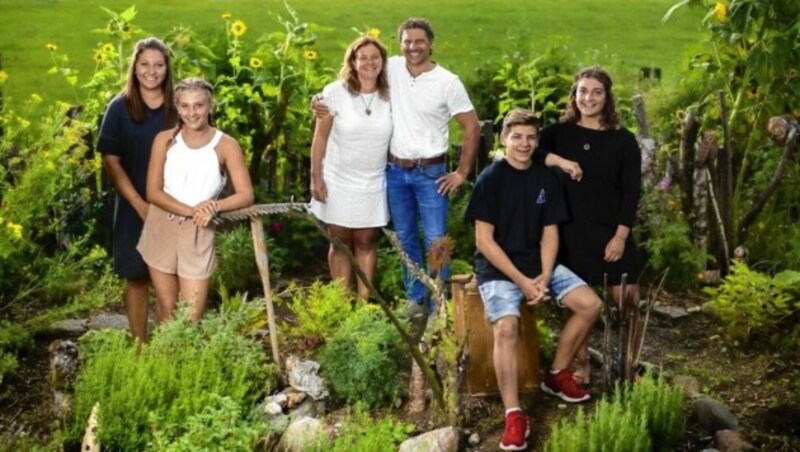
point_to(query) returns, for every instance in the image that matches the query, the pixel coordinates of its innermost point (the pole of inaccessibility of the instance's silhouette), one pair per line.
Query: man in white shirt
(424, 98)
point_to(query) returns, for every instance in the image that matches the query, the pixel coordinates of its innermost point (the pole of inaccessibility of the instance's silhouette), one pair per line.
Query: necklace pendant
(368, 111)
(586, 147)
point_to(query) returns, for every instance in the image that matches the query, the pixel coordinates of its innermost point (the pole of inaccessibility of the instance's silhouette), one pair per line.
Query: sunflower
(238, 28)
(310, 55)
(99, 57)
(373, 33)
(721, 11)
(108, 47)
(51, 47)
(255, 63)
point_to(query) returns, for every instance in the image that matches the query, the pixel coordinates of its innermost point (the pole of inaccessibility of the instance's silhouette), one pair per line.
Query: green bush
(662, 407)
(362, 360)
(754, 305)
(389, 274)
(236, 261)
(320, 309)
(158, 391)
(362, 432)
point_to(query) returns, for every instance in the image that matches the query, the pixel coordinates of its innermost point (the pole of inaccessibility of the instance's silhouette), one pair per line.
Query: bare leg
(366, 256)
(194, 292)
(505, 359)
(585, 306)
(136, 297)
(338, 263)
(584, 368)
(166, 287)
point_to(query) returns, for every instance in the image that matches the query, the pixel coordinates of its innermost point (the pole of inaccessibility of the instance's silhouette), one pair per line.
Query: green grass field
(468, 31)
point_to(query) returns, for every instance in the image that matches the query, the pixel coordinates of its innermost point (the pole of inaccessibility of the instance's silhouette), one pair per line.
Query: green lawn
(468, 31)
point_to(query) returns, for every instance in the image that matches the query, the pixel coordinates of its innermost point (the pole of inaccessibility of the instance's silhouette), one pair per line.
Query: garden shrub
(363, 432)
(159, 392)
(236, 261)
(755, 305)
(363, 360)
(389, 274)
(662, 406)
(320, 309)
(647, 416)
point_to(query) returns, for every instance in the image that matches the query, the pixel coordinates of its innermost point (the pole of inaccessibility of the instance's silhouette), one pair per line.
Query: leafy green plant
(184, 369)
(363, 360)
(662, 406)
(320, 309)
(236, 261)
(753, 304)
(389, 274)
(611, 427)
(363, 432)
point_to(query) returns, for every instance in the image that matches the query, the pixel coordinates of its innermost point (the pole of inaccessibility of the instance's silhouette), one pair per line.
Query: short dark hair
(418, 23)
(519, 117)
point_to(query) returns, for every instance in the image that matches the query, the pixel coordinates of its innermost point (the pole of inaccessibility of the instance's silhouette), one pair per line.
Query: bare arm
(232, 159)
(112, 164)
(484, 241)
(319, 144)
(549, 249)
(568, 166)
(468, 121)
(155, 178)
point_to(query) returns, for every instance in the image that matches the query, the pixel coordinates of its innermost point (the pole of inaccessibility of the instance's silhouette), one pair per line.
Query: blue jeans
(413, 198)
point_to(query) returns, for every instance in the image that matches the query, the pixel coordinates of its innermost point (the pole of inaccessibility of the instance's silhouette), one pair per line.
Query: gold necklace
(367, 106)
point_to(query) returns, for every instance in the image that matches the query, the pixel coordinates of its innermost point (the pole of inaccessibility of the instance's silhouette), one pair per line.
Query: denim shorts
(502, 298)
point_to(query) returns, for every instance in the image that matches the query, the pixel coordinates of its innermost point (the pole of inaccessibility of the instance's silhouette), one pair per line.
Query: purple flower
(665, 182)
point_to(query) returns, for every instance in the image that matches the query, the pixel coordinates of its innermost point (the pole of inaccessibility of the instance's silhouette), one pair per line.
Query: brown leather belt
(415, 163)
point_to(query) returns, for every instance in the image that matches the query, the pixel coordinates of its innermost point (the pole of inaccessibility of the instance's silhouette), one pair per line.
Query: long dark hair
(131, 93)
(609, 118)
(348, 72)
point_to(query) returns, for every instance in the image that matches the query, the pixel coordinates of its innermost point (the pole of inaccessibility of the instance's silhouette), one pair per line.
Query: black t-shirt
(519, 204)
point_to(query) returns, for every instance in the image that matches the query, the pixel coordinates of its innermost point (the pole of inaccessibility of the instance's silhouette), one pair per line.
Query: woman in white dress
(348, 159)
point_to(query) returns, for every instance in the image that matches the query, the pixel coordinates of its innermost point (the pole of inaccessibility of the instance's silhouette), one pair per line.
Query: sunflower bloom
(721, 11)
(238, 28)
(374, 33)
(310, 55)
(108, 48)
(226, 16)
(3, 77)
(99, 57)
(51, 47)
(255, 63)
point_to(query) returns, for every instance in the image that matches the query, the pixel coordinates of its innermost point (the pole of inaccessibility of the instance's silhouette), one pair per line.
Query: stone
(474, 439)
(731, 441)
(69, 327)
(300, 435)
(272, 409)
(309, 408)
(293, 397)
(689, 385)
(441, 440)
(108, 321)
(303, 376)
(670, 312)
(713, 415)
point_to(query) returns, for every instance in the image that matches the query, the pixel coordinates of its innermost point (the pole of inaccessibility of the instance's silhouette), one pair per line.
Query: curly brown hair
(348, 72)
(609, 118)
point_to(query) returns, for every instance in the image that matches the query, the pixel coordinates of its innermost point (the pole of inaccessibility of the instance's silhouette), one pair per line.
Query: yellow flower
(15, 229)
(238, 28)
(226, 16)
(3, 77)
(310, 55)
(373, 33)
(35, 98)
(99, 57)
(108, 48)
(52, 47)
(721, 11)
(255, 63)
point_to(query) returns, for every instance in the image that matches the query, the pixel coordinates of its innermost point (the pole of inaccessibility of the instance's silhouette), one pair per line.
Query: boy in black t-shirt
(516, 207)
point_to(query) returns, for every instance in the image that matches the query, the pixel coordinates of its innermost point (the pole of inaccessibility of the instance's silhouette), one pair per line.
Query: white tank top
(192, 176)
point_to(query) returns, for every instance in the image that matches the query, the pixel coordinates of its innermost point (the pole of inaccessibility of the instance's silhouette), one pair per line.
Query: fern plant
(662, 407)
(320, 309)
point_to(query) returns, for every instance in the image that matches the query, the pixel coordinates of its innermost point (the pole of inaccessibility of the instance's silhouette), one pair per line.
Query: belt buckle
(417, 163)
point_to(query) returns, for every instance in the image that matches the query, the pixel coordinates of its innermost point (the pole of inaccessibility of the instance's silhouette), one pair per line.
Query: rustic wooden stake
(606, 338)
(260, 248)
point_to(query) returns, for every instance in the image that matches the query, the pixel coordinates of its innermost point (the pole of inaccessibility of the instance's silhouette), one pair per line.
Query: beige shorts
(175, 245)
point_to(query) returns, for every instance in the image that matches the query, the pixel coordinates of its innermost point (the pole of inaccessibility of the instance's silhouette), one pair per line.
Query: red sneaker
(516, 432)
(563, 386)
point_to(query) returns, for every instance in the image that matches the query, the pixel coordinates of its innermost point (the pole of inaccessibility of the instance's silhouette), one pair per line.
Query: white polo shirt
(422, 108)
